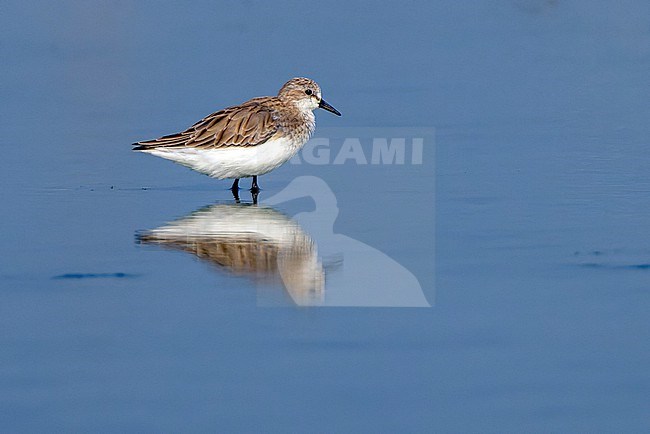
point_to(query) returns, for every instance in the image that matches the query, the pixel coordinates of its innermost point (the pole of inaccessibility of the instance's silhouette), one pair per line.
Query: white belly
(233, 161)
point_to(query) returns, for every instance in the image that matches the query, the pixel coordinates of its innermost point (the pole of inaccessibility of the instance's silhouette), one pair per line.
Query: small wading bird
(247, 140)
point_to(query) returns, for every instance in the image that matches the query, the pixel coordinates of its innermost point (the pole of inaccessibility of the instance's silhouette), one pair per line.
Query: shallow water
(523, 229)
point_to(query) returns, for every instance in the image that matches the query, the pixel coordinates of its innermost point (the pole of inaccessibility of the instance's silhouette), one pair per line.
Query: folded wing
(249, 124)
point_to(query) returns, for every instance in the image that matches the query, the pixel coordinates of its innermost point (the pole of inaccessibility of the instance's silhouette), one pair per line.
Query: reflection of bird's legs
(255, 188)
(255, 194)
(235, 190)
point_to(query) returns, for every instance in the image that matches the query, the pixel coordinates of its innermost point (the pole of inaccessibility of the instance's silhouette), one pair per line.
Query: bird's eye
(308, 92)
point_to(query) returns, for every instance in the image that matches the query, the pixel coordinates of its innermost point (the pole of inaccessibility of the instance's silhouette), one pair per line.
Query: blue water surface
(525, 226)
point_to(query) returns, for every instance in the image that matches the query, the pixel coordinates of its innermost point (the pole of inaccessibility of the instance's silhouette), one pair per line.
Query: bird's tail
(177, 140)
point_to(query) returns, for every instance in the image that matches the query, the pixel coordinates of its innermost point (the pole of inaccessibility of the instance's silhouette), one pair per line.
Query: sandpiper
(249, 139)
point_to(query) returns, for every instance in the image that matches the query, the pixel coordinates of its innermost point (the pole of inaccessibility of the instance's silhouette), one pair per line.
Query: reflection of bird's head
(315, 188)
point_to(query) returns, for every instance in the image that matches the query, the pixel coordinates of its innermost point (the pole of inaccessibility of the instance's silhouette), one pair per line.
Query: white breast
(234, 161)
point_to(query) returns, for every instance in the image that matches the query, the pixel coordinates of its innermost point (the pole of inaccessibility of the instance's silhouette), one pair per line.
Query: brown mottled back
(249, 124)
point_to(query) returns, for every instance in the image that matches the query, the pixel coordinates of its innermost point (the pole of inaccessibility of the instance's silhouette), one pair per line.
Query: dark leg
(235, 185)
(235, 195)
(255, 187)
(255, 194)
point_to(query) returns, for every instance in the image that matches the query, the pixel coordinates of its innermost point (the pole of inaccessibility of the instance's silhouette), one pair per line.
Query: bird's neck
(300, 124)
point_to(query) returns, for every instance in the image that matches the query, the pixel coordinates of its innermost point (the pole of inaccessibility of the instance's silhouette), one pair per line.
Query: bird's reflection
(260, 242)
(249, 240)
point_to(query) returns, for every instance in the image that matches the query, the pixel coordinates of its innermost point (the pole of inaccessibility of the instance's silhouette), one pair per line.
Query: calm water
(135, 295)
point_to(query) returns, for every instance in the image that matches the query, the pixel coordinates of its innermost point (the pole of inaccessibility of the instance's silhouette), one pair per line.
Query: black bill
(324, 105)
